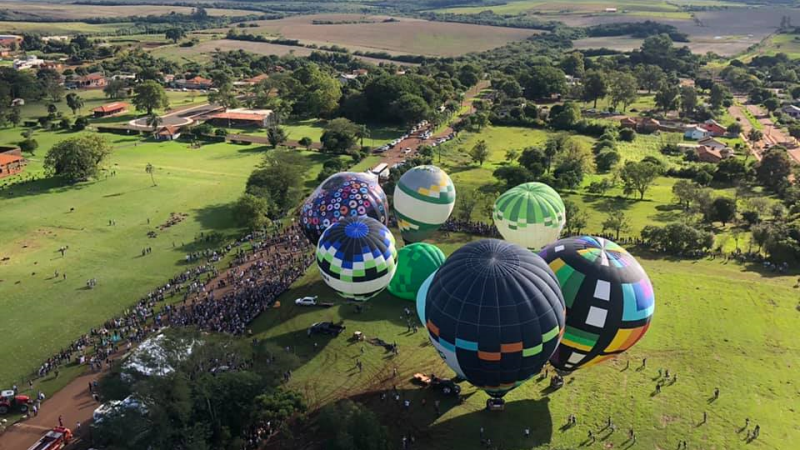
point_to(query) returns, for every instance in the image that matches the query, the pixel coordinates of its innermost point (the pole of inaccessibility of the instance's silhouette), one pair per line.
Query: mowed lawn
(715, 325)
(40, 313)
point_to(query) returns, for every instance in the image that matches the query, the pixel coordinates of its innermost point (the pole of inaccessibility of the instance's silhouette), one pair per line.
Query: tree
(735, 129)
(689, 101)
(772, 104)
(149, 96)
(479, 152)
(535, 160)
(175, 34)
(607, 159)
(723, 209)
(52, 109)
(466, 202)
(566, 116)
(685, 192)
(316, 94)
(352, 427)
(719, 93)
(279, 179)
(74, 102)
(150, 170)
(595, 86)
(573, 64)
(512, 155)
(251, 211)
(513, 175)
(15, 115)
(650, 77)
(77, 159)
(154, 121)
(730, 170)
(340, 136)
(576, 218)
(116, 89)
(627, 134)
(638, 177)
(774, 169)
(276, 136)
(617, 222)
(543, 81)
(29, 145)
(305, 142)
(668, 96)
(623, 90)
(224, 97)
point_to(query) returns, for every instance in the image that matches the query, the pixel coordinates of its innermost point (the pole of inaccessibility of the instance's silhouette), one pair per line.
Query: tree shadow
(216, 217)
(47, 185)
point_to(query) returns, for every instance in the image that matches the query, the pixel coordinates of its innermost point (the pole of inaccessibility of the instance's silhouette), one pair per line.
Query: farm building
(11, 164)
(7, 39)
(197, 82)
(695, 133)
(715, 128)
(91, 81)
(253, 80)
(792, 111)
(646, 125)
(709, 155)
(28, 63)
(713, 143)
(110, 109)
(260, 118)
(168, 133)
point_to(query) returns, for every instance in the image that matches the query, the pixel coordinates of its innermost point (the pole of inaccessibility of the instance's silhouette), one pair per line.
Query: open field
(64, 11)
(652, 9)
(778, 43)
(404, 36)
(56, 28)
(202, 52)
(697, 333)
(721, 45)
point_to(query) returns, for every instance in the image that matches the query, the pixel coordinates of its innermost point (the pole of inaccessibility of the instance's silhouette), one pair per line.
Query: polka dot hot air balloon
(356, 257)
(531, 215)
(415, 263)
(609, 300)
(423, 200)
(345, 194)
(495, 314)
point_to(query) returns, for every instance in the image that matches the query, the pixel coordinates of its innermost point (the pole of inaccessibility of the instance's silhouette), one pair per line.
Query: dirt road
(73, 403)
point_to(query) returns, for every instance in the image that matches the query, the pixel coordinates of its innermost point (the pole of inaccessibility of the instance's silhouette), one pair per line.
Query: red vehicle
(13, 403)
(55, 439)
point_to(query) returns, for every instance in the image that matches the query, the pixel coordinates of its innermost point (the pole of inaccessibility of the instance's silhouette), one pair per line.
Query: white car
(306, 301)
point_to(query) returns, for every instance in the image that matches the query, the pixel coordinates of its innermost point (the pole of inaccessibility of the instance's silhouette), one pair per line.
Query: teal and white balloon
(531, 215)
(423, 200)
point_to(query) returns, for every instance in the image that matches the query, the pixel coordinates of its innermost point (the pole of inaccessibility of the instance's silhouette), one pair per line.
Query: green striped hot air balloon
(415, 263)
(423, 200)
(531, 215)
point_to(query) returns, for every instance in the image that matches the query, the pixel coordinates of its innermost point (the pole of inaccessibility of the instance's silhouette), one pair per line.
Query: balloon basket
(495, 404)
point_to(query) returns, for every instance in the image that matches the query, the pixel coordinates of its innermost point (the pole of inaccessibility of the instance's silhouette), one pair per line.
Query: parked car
(306, 301)
(328, 328)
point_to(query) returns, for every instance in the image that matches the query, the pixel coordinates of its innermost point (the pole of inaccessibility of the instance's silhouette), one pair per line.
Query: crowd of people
(254, 280)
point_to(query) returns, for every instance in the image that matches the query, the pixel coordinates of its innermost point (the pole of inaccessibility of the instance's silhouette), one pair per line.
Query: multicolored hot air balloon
(609, 300)
(495, 313)
(531, 215)
(423, 200)
(345, 194)
(415, 263)
(356, 257)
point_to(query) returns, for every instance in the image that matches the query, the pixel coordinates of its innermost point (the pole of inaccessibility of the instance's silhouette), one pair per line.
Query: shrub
(29, 145)
(627, 134)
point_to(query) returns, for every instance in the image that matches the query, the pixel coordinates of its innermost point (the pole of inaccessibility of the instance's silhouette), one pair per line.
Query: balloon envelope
(423, 200)
(356, 257)
(495, 313)
(345, 194)
(531, 215)
(609, 299)
(415, 263)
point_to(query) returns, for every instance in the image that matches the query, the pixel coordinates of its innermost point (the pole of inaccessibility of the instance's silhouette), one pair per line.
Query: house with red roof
(11, 164)
(110, 109)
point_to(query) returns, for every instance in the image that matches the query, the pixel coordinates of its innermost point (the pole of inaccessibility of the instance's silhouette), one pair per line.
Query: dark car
(329, 328)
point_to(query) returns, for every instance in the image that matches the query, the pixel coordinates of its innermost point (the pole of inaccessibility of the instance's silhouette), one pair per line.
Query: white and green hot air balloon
(531, 215)
(423, 200)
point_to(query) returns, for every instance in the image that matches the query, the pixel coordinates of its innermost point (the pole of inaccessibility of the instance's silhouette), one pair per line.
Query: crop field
(697, 333)
(653, 9)
(64, 11)
(203, 51)
(404, 36)
(56, 28)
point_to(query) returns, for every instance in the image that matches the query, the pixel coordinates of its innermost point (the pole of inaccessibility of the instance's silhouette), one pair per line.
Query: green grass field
(653, 9)
(52, 28)
(697, 333)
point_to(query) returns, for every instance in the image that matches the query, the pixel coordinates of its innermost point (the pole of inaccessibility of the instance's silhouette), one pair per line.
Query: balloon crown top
(356, 229)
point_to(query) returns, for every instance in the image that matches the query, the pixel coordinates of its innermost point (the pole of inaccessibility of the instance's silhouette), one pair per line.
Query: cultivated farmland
(64, 11)
(403, 36)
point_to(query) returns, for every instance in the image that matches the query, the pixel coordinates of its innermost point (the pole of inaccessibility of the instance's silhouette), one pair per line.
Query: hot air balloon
(422, 298)
(531, 215)
(609, 300)
(495, 313)
(345, 194)
(415, 263)
(423, 200)
(356, 257)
